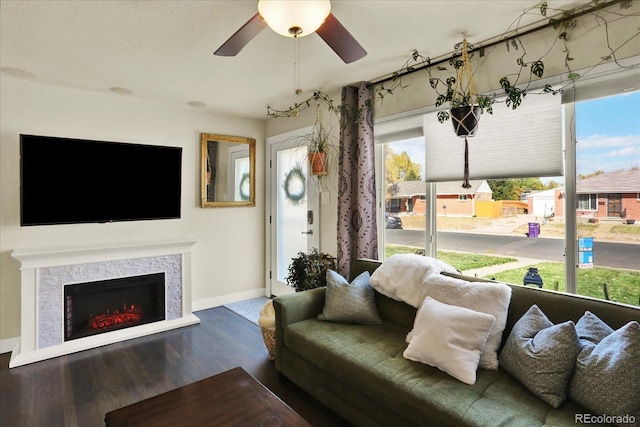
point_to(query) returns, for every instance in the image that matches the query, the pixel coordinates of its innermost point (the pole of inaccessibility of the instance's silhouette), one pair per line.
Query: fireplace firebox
(108, 305)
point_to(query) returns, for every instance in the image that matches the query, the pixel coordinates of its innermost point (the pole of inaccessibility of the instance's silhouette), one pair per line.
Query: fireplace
(107, 305)
(56, 286)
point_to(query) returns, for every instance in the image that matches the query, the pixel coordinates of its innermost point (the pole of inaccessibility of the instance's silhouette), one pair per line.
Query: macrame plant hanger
(466, 125)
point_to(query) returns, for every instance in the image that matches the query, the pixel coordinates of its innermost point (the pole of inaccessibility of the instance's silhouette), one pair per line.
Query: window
(607, 186)
(587, 202)
(394, 205)
(566, 209)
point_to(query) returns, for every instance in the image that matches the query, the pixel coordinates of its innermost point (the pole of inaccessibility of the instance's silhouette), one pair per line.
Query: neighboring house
(610, 195)
(451, 198)
(546, 203)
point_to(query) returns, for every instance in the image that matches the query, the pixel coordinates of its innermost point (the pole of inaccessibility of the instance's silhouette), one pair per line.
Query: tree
(391, 182)
(401, 167)
(512, 189)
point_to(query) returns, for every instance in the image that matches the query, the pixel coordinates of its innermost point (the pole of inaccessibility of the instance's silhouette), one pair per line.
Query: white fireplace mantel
(44, 272)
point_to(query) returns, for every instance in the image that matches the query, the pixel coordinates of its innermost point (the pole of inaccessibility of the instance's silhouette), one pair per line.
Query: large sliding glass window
(523, 211)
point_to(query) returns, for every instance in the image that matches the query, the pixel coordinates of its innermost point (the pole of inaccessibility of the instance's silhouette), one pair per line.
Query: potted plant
(309, 271)
(318, 149)
(466, 105)
(319, 145)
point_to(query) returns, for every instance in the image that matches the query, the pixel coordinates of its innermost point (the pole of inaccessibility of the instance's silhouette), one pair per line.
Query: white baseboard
(7, 345)
(204, 304)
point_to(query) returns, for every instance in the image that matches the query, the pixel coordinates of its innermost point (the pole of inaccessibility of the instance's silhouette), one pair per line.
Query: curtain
(357, 225)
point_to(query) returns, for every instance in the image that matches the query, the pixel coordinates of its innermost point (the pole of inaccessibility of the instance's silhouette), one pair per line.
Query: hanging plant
(459, 91)
(318, 161)
(319, 146)
(466, 105)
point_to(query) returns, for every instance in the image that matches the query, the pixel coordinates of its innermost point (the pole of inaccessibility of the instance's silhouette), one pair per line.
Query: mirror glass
(227, 170)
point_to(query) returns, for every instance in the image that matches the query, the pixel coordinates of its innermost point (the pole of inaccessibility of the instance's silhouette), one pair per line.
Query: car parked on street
(391, 221)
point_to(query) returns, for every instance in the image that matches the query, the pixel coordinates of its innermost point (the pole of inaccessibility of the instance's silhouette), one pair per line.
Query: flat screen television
(70, 181)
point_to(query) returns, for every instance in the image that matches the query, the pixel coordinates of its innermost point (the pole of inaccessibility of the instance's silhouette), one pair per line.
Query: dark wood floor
(79, 389)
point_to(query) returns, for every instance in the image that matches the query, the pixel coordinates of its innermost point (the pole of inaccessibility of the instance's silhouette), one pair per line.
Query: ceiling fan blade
(340, 40)
(242, 37)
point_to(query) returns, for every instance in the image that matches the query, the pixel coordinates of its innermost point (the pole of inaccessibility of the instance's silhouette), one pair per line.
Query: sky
(608, 135)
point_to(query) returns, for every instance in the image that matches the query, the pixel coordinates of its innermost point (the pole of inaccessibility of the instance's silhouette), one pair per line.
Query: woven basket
(269, 336)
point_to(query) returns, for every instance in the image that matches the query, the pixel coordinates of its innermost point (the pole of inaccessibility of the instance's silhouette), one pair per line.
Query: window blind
(398, 129)
(521, 143)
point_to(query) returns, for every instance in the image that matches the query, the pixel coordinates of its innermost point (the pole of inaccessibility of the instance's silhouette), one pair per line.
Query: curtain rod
(495, 43)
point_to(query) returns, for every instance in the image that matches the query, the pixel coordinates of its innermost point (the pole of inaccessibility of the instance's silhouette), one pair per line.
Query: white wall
(228, 260)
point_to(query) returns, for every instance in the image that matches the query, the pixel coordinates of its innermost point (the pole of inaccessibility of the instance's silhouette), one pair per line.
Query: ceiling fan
(296, 18)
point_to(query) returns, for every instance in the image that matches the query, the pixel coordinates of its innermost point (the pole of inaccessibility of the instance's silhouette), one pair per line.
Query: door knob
(308, 232)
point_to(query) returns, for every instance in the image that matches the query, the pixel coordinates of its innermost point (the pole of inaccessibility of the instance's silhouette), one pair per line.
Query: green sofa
(359, 370)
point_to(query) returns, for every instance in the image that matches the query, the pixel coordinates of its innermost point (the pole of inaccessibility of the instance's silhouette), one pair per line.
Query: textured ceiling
(163, 50)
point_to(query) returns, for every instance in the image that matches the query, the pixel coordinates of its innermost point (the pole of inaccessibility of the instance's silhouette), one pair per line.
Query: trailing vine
(514, 85)
(350, 115)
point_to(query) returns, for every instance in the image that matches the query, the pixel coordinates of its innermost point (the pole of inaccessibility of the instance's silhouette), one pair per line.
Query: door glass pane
(404, 191)
(607, 186)
(291, 207)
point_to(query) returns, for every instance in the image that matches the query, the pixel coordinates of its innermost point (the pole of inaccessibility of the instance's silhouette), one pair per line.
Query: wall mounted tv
(70, 181)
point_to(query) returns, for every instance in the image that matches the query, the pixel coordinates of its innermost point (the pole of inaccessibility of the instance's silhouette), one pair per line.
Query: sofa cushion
(400, 276)
(349, 302)
(607, 374)
(450, 338)
(369, 357)
(485, 297)
(541, 355)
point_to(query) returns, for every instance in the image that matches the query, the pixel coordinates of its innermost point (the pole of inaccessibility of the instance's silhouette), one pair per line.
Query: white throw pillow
(400, 276)
(449, 338)
(485, 297)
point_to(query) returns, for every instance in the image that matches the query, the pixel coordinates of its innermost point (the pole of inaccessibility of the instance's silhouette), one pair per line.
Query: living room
(60, 95)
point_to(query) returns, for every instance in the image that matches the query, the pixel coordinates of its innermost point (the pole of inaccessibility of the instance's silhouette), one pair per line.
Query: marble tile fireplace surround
(45, 274)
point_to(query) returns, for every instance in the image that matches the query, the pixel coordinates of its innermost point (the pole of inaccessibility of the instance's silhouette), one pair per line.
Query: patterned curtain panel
(357, 230)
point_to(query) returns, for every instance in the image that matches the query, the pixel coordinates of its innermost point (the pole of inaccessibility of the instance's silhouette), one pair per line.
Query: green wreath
(244, 181)
(293, 175)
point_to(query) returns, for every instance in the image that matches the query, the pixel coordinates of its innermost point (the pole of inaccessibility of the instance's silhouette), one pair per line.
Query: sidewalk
(522, 263)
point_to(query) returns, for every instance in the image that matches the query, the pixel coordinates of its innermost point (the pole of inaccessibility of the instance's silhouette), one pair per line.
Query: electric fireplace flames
(107, 320)
(107, 305)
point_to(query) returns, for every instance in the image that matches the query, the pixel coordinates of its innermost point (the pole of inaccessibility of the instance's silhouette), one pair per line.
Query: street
(605, 254)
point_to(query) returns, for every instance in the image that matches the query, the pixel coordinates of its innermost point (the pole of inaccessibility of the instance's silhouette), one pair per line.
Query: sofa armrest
(294, 308)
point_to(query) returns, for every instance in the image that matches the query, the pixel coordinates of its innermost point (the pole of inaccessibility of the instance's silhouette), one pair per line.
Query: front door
(293, 209)
(614, 206)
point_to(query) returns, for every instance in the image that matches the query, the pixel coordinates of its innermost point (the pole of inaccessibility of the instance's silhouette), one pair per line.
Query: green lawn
(461, 261)
(623, 285)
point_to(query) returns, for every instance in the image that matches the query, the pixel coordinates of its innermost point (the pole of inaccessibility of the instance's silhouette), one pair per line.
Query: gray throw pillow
(353, 302)
(607, 374)
(541, 355)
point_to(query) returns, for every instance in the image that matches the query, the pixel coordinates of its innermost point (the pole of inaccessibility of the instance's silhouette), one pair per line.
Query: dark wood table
(232, 398)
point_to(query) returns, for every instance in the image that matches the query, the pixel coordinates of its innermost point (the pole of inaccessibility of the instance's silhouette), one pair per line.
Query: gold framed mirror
(227, 171)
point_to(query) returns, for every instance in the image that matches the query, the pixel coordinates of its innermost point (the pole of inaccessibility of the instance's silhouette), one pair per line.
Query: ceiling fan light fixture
(294, 18)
